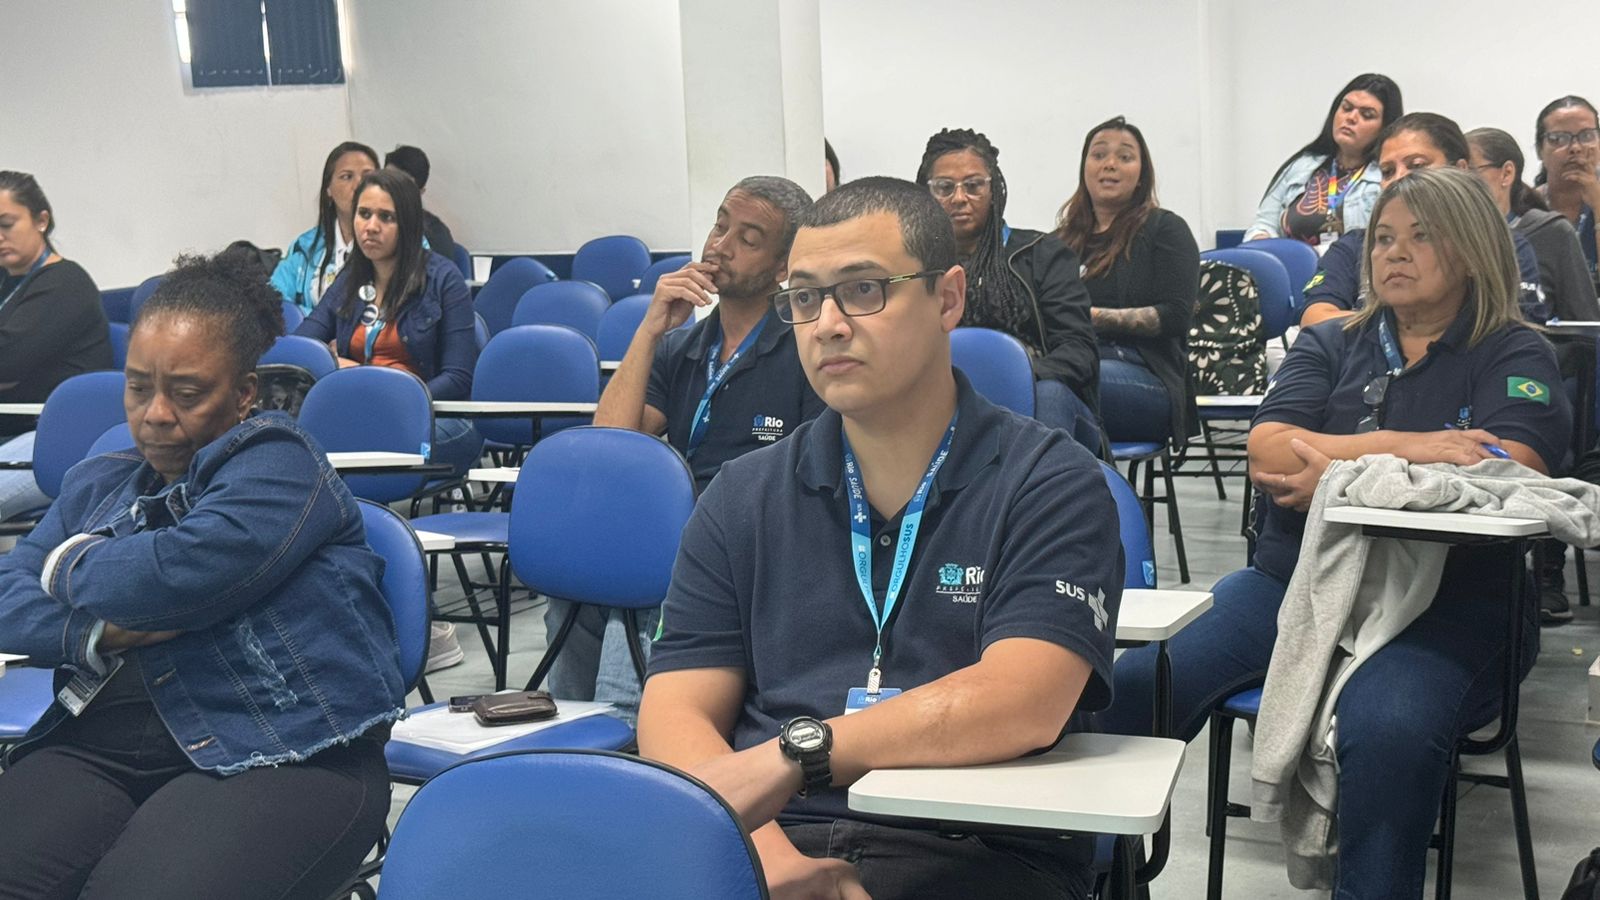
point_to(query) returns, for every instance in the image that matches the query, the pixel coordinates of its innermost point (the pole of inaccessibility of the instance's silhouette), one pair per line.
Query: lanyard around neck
(715, 375)
(37, 265)
(1335, 194)
(1391, 350)
(861, 539)
(369, 293)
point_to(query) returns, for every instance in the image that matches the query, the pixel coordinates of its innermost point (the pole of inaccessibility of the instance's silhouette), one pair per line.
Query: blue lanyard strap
(37, 265)
(1391, 350)
(373, 330)
(861, 540)
(715, 375)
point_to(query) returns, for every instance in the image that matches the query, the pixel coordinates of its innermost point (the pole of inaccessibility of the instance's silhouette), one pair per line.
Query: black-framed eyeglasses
(1373, 395)
(945, 188)
(1559, 139)
(856, 297)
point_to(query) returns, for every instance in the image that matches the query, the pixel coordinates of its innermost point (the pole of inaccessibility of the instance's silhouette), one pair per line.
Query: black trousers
(909, 863)
(110, 807)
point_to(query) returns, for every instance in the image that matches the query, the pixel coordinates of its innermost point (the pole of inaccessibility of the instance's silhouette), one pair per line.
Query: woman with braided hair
(1024, 283)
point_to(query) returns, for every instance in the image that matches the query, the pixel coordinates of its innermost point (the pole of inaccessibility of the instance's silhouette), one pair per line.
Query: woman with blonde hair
(1438, 367)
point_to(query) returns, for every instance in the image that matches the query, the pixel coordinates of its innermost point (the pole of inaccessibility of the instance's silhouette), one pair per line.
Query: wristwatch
(807, 741)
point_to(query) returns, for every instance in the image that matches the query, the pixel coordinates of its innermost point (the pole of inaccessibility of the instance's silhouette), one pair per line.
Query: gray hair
(784, 195)
(925, 228)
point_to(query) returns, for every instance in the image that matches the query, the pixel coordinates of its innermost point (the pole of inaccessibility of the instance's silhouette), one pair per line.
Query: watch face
(805, 736)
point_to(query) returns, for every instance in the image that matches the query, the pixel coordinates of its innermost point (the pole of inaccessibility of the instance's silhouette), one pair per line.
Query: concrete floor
(1563, 786)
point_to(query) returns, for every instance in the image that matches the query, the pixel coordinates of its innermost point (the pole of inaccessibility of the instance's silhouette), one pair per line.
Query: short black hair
(1442, 132)
(410, 160)
(831, 158)
(232, 293)
(788, 198)
(925, 228)
(24, 189)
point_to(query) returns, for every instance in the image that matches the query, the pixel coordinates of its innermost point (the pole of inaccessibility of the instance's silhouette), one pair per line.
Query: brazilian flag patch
(1315, 280)
(1527, 389)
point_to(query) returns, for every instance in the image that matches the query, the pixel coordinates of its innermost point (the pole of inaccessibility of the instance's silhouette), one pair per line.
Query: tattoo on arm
(1140, 321)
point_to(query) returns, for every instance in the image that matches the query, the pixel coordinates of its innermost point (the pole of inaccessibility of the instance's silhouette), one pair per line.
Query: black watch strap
(808, 741)
(816, 774)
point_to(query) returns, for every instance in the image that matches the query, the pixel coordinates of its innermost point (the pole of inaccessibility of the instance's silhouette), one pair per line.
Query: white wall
(546, 123)
(93, 104)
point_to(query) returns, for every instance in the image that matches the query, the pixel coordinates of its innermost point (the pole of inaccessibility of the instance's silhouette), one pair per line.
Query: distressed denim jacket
(257, 555)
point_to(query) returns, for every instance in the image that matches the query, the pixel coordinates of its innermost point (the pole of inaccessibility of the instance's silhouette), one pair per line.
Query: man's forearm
(622, 404)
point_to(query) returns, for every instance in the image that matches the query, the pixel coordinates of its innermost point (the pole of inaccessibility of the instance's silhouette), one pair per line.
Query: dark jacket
(438, 236)
(438, 328)
(257, 555)
(1162, 269)
(1563, 271)
(52, 328)
(1049, 272)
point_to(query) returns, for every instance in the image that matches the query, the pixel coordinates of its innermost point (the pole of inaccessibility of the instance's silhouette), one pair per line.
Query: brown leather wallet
(511, 709)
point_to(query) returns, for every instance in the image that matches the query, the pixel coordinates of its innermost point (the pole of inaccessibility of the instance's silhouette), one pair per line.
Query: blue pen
(1493, 450)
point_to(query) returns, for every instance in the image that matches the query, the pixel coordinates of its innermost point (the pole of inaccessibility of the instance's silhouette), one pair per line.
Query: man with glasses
(916, 578)
(726, 385)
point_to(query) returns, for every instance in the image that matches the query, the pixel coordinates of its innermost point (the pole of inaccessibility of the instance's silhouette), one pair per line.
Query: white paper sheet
(460, 732)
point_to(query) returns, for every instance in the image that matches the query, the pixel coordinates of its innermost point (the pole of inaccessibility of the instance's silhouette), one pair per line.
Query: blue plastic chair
(298, 350)
(119, 344)
(997, 365)
(497, 299)
(292, 317)
(75, 415)
(117, 437)
(1597, 754)
(25, 694)
(1299, 261)
(647, 281)
(618, 325)
(567, 370)
(579, 305)
(141, 294)
(115, 303)
(1277, 294)
(371, 408)
(1138, 553)
(616, 263)
(625, 827)
(463, 260)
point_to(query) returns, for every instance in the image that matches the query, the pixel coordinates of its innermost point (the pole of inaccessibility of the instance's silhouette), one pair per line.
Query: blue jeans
(456, 443)
(594, 663)
(1134, 405)
(1399, 714)
(1058, 406)
(19, 493)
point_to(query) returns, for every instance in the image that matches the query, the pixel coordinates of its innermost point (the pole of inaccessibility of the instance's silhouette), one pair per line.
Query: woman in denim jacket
(1328, 186)
(226, 663)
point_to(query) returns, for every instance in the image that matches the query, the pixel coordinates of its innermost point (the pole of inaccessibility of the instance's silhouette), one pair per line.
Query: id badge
(1325, 240)
(859, 699)
(84, 687)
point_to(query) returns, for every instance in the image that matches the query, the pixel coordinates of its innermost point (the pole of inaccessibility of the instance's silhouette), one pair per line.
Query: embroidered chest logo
(962, 584)
(766, 428)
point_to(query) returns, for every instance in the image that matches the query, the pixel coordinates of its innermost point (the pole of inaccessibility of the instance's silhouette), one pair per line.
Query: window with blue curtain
(235, 43)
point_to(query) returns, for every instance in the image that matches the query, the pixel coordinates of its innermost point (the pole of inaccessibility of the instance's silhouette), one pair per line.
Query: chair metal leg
(1519, 818)
(503, 624)
(1217, 812)
(549, 658)
(472, 601)
(1447, 829)
(1211, 458)
(423, 691)
(630, 617)
(1583, 576)
(1173, 525)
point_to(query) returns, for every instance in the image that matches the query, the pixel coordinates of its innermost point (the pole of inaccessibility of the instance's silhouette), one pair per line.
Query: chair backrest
(75, 414)
(597, 516)
(497, 299)
(371, 408)
(617, 326)
(1272, 283)
(616, 826)
(1138, 552)
(117, 437)
(579, 305)
(141, 294)
(615, 262)
(405, 584)
(568, 371)
(292, 317)
(647, 281)
(997, 365)
(119, 344)
(1299, 260)
(115, 303)
(463, 260)
(298, 350)
(480, 331)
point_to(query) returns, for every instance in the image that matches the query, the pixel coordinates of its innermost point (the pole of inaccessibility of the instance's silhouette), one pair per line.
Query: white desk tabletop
(9, 658)
(1575, 324)
(21, 409)
(434, 542)
(511, 407)
(1211, 400)
(373, 459)
(1099, 783)
(1441, 522)
(1155, 615)
(501, 475)
(610, 365)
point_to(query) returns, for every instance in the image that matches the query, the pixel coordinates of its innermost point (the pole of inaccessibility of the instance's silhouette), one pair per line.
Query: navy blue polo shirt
(1019, 538)
(763, 399)
(1338, 279)
(1508, 385)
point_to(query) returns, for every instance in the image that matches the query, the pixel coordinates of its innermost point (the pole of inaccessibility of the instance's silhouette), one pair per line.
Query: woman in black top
(51, 326)
(1142, 269)
(1024, 283)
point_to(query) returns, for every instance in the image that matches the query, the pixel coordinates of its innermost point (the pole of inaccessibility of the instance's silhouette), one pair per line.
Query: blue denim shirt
(258, 555)
(1358, 201)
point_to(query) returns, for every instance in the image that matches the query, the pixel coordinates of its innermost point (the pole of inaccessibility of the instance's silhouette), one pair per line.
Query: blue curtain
(304, 35)
(225, 48)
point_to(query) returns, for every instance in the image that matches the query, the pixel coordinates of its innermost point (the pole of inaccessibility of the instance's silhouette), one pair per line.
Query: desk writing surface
(1157, 615)
(1441, 522)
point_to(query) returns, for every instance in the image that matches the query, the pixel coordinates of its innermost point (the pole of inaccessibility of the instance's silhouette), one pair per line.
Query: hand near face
(676, 296)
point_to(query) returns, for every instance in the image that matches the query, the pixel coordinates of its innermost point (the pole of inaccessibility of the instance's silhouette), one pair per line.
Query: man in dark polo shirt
(980, 617)
(729, 384)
